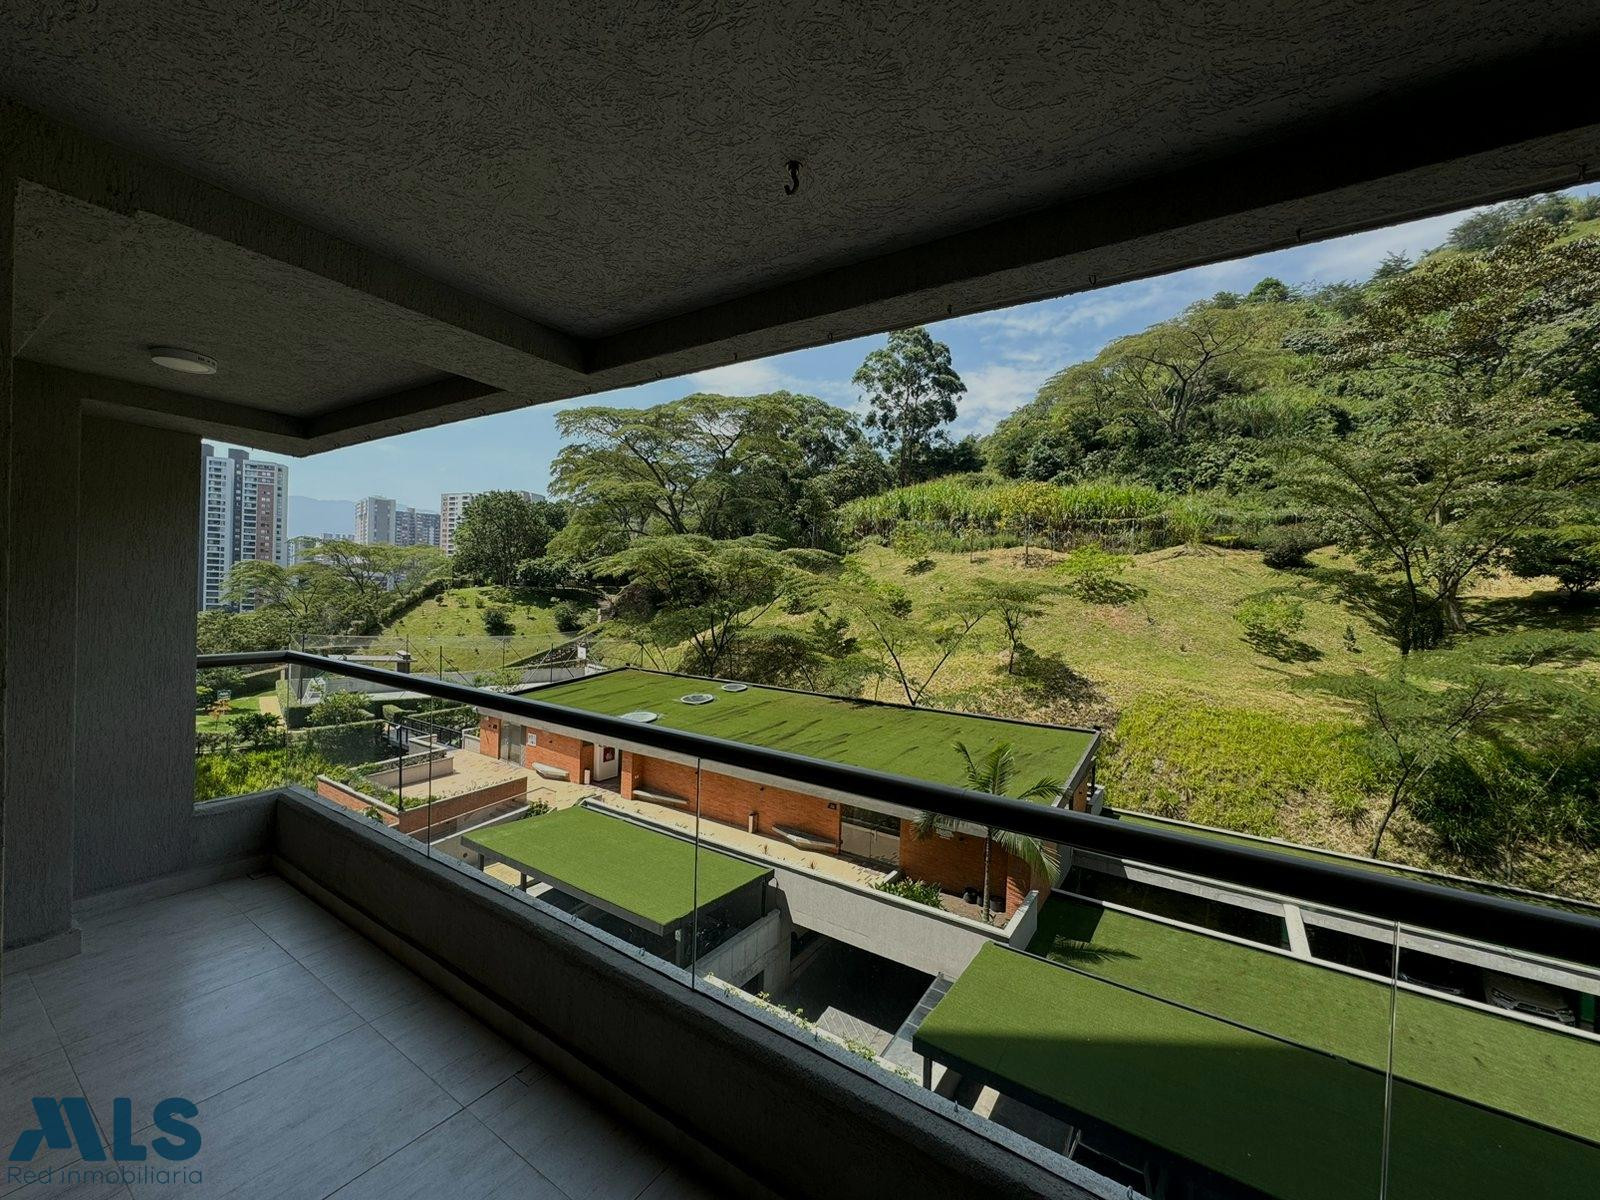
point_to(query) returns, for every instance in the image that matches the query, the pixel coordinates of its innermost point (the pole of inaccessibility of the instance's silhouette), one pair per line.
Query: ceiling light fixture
(174, 358)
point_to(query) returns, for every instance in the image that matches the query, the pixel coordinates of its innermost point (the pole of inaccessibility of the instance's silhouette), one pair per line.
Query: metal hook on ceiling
(793, 185)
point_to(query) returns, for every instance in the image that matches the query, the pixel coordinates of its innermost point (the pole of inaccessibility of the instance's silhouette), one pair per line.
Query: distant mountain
(310, 517)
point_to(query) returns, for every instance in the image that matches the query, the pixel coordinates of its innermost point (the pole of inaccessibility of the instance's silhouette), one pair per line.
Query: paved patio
(321, 1067)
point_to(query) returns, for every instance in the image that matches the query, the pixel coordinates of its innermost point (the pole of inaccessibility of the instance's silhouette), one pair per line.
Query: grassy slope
(440, 622)
(917, 744)
(636, 869)
(1295, 1123)
(1207, 726)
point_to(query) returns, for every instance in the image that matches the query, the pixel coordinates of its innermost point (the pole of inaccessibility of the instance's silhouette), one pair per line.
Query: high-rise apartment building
(380, 520)
(244, 514)
(452, 506)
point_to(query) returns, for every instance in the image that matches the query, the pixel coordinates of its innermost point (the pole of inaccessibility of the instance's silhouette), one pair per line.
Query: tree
(912, 647)
(1414, 724)
(499, 531)
(497, 622)
(1471, 437)
(1025, 510)
(912, 390)
(1015, 603)
(992, 774)
(707, 594)
(722, 466)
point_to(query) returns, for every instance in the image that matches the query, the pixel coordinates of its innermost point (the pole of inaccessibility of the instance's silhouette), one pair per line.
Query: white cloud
(995, 390)
(739, 379)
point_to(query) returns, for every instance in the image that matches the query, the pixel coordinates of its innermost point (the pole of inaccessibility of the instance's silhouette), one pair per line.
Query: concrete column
(137, 558)
(8, 192)
(41, 647)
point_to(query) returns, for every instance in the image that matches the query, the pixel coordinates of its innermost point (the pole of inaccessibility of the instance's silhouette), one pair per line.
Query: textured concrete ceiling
(605, 170)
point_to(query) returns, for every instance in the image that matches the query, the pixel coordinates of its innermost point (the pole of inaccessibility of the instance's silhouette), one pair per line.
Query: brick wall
(421, 817)
(346, 797)
(489, 736)
(955, 863)
(731, 801)
(559, 750)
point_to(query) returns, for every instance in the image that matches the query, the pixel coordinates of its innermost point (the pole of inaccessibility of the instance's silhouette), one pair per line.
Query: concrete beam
(158, 408)
(1468, 140)
(66, 160)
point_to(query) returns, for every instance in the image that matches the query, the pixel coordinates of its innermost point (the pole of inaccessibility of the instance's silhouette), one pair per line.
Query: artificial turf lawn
(915, 742)
(637, 870)
(1283, 1118)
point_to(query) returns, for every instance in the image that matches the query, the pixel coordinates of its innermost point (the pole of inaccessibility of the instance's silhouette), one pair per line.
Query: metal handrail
(1536, 929)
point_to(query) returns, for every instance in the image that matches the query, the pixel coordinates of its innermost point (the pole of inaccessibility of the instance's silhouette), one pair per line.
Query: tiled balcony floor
(321, 1067)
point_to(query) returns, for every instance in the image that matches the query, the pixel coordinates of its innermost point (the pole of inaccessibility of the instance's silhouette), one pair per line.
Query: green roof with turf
(624, 866)
(915, 742)
(1285, 1091)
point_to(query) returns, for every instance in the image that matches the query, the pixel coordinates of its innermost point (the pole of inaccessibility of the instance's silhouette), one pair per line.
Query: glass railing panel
(1496, 1073)
(1172, 1038)
(239, 744)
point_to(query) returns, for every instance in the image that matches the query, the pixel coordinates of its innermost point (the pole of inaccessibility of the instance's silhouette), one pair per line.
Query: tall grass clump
(1107, 510)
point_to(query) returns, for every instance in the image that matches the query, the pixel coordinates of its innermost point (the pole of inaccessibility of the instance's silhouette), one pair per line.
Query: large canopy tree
(912, 390)
(501, 530)
(705, 595)
(720, 466)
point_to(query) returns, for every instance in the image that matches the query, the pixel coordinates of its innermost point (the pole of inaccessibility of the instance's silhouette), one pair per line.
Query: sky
(1003, 357)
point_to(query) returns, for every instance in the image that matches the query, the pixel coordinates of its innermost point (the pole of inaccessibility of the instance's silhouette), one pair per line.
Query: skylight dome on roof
(698, 698)
(736, 687)
(642, 715)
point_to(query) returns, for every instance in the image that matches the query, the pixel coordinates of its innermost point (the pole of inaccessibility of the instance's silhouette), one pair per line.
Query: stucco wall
(139, 512)
(41, 644)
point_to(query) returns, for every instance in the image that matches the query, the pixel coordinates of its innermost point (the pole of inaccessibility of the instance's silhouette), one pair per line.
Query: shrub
(1286, 547)
(571, 617)
(1570, 554)
(543, 574)
(1270, 620)
(257, 730)
(1092, 574)
(497, 622)
(339, 708)
(917, 890)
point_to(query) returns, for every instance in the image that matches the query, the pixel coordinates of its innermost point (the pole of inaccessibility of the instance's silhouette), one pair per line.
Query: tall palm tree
(992, 773)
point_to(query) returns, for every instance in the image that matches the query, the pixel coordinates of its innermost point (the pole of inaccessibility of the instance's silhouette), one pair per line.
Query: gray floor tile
(311, 1125)
(47, 1074)
(74, 1187)
(583, 1150)
(364, 977)
(300, 926)
(459, 1158)
(458, 1052)
(210, 1043)
(25, 1029)
(129, 979)
(677, 1183)
(118, 924)
(251, 892)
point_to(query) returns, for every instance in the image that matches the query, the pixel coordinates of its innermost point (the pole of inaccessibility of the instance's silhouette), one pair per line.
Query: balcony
(367, 226)
(1166, 1012)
